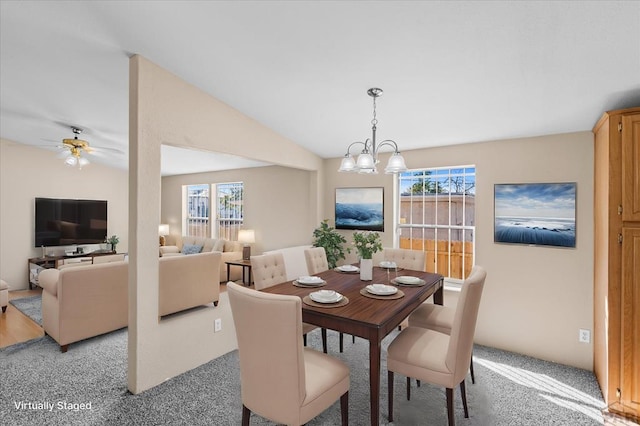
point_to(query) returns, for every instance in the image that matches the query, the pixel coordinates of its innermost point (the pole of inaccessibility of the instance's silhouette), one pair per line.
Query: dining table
(365, 315)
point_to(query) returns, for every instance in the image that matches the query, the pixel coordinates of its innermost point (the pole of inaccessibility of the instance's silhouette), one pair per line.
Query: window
(436, 214)
(229, 208)
(230, 216)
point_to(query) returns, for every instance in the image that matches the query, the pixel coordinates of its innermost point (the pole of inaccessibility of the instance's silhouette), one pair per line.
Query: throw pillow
(218, 245)
(191, 249)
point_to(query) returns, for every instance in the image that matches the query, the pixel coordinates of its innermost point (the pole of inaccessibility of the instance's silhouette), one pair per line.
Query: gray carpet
(30, 306)
(510, 389)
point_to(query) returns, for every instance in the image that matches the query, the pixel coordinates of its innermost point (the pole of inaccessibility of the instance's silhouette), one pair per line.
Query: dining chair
(316, 258)
(280, 380)
(439, 358)
(406, 259)
(269, 270)
(438, 318)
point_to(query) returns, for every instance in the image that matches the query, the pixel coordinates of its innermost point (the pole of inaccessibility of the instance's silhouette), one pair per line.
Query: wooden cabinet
(617, 260)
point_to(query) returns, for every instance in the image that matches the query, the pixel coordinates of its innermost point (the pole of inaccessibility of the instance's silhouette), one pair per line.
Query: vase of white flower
(367, 243)
(366, 269)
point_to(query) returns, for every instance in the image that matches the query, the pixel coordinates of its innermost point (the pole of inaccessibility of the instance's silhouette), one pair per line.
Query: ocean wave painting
(360, 208)
(538, 214)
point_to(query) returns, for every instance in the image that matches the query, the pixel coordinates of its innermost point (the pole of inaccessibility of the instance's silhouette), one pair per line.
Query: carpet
(510, 389)
(30, 306)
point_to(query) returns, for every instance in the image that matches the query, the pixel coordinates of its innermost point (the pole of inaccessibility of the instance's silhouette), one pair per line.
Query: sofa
(80, 302)
(176, 245)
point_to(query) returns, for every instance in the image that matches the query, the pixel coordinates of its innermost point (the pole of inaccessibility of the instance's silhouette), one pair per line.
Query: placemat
(297, 284)
(397, 295)
(420, 284)
(307, 300)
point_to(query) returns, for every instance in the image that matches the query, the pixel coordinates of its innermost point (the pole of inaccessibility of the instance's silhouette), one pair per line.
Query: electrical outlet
(217, 325)
(584, 336)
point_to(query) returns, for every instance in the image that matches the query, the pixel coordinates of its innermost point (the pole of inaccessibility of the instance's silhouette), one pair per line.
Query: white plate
(310, 280)
(348, 268)
(387, 264)
(407, 279)
(381, 289)
(325, 296)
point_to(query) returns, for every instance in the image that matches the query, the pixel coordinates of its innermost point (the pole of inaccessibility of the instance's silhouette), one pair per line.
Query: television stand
(48, 262)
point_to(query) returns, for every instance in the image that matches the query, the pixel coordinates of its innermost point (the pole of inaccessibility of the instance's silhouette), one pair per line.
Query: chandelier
(75, 147)
(368, 157)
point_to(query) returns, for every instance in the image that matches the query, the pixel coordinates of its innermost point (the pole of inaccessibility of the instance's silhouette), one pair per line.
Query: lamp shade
(347, 164)
(246, 236)
(163, 229)
(365, 161)
(396, 164)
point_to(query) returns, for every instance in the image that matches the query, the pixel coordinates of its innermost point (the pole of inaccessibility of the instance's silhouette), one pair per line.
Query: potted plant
(367, 243)
(327, 237)
(113, 240)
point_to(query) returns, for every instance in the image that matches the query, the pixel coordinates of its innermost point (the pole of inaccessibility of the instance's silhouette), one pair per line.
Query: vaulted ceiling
(452, 72)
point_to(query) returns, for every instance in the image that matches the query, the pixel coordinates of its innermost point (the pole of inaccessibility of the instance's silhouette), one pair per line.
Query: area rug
(30, 306)
(510, 389)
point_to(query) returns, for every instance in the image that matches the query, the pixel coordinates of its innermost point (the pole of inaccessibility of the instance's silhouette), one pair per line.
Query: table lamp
(246, 237)
(163, 229)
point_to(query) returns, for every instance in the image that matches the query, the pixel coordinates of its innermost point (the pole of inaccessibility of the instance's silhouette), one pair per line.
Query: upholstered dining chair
(269, 270)
(439, 358)
(316, 258)
(438, 318)
(281, 380)
(405, 258)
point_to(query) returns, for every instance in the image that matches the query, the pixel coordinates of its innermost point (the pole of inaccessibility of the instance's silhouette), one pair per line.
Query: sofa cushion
(218, 244)
(191, 249)
(231, 246)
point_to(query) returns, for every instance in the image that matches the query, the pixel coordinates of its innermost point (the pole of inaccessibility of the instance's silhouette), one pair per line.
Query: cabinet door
(631, 167)
(630, 349)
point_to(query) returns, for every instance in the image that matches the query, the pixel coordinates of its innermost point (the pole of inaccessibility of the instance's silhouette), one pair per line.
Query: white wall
(164, 109)
(535, 298)
(277, 203)
(26, 173)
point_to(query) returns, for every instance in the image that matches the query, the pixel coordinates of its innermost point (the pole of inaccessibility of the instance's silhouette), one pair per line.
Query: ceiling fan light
(396, 164)
(70, 161)
(347, 164)
(82, 162)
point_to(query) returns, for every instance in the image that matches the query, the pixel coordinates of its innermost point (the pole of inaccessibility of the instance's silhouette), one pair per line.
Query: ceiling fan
(76, 147)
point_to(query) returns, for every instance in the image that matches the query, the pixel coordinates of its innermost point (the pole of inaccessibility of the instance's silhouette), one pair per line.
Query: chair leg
(452, 421)
(344, 408)
(390, 393)
(246, 414)
(408, 388)
(304, 339)
(418, 382)
(341, 338)
(324, 340)
(463, 393)
(353, 338)
(473, 377)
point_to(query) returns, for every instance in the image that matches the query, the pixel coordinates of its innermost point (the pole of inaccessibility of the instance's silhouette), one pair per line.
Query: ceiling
(452, 72)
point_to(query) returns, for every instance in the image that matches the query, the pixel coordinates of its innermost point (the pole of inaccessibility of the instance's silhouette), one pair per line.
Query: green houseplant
(327, 237)
(113, 240)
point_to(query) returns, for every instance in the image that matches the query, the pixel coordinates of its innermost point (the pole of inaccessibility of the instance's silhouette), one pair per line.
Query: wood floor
(16, 327)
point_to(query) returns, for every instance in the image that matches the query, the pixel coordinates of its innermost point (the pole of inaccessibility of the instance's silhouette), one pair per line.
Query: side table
(246, 266)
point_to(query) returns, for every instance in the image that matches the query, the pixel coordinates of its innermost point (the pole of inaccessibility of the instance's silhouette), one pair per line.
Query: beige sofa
(85, 301)
(231, 250)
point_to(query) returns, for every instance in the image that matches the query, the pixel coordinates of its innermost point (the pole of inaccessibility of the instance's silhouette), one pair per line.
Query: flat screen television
(64, 222)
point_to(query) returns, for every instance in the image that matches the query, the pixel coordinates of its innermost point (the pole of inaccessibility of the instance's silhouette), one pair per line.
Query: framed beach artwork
(360, 208)
(535, 214)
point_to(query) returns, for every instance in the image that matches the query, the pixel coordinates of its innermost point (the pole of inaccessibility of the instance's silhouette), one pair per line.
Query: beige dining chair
(281, 380)
(438, 318)
(269, 270)
(316, 258)
(405, 258)
(439, 358)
